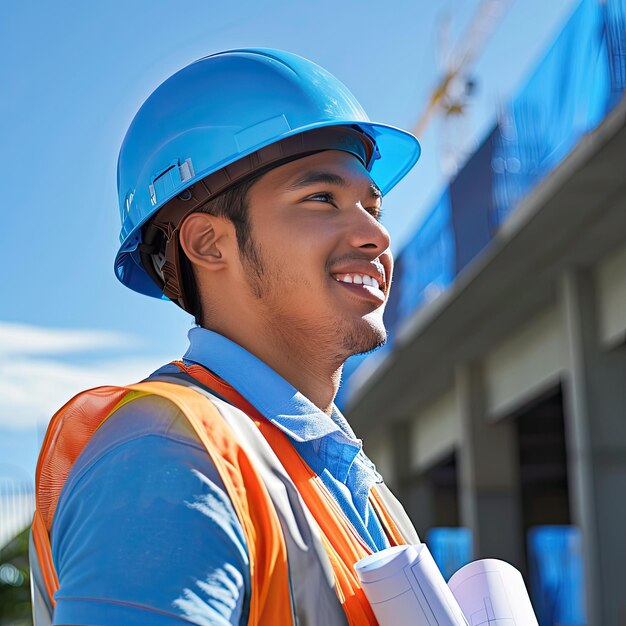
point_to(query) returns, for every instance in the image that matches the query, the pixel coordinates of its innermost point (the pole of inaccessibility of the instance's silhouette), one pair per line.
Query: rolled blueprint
(404, 586)
(492, 592)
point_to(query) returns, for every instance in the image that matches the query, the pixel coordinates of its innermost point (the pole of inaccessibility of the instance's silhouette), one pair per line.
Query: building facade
(500, 405)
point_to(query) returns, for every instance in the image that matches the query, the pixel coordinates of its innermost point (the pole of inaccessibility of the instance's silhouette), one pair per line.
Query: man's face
(320, 267)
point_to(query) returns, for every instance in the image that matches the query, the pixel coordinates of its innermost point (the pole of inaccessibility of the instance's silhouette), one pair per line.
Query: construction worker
(227, 488)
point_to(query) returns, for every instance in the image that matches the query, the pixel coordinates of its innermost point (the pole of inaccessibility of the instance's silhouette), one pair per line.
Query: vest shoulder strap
(270, 601)
(74, 424)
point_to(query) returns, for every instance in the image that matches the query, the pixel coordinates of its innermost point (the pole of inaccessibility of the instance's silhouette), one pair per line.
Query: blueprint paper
(492, 592)
(405, 587)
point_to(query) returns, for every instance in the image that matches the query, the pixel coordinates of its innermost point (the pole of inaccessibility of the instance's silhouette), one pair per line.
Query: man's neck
(316, 380)
(304, 365)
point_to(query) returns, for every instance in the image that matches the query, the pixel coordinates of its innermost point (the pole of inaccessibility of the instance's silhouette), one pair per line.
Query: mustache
(355, 257)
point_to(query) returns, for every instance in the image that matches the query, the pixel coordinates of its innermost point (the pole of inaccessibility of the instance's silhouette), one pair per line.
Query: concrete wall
(434, 432)
(526, 363)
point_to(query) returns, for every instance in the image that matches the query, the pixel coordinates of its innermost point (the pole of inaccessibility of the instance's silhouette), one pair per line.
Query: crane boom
(482, 25)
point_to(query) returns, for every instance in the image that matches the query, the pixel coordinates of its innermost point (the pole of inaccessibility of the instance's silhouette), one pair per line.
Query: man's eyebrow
(315, 177)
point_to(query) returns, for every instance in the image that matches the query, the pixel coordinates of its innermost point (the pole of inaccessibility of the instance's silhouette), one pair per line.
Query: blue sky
(72, 75)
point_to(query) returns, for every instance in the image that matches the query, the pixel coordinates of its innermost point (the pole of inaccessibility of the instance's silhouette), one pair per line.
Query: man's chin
(365, 337)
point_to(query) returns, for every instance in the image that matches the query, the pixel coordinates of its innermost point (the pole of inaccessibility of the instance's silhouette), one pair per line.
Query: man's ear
(206, 239)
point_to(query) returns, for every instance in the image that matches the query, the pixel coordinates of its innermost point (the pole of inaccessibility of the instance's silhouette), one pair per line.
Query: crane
(450, 96)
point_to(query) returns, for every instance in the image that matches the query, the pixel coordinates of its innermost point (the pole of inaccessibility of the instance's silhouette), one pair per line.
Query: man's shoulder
(133, 426)
(142, 489)
(145, 415)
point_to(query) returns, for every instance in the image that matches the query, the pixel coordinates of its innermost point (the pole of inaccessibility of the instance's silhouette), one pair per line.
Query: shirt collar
(266, 390)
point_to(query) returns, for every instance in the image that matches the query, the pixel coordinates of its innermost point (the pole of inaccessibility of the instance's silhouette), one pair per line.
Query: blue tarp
(471, 202)
(556, 575)
(426, 266)
(574, 87)
(451, 548)
(615, 32)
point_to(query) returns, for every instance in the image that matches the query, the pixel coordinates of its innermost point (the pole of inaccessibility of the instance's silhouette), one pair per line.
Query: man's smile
(358, 279)
(363, 277)
(362, 285)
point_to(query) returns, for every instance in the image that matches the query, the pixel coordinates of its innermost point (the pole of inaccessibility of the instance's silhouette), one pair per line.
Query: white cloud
(22, 339)
(33, 387)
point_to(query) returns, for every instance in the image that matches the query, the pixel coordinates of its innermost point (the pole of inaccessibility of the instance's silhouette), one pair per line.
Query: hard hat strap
(161, 234)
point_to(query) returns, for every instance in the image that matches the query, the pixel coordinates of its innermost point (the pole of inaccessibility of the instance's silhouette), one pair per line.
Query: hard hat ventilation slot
(164, 183)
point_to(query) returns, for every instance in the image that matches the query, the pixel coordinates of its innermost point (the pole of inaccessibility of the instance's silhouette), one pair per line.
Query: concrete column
(488, 466)
(400, 433)
(411, 489)
(418, 499)
(595, 403)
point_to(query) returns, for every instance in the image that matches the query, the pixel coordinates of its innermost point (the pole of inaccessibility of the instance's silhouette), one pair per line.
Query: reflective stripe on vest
(301, 546)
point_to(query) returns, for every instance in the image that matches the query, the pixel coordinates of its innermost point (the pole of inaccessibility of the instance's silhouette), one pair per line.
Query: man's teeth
(359, 279)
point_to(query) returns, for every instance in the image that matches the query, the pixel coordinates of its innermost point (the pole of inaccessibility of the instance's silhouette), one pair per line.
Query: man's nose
(367, 232)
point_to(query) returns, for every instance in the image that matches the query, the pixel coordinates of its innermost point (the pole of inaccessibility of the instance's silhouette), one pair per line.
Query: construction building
(500, 404)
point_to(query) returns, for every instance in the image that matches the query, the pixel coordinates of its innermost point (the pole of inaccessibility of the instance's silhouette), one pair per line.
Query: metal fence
(17, 505)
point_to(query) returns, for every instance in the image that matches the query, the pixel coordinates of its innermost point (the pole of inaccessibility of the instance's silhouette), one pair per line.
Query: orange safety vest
(300, 543)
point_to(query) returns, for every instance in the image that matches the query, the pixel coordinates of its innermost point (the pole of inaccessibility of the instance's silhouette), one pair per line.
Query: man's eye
(323, 197)
(376, 212)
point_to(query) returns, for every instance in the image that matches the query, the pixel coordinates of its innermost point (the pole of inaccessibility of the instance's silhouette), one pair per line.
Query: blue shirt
(144, 532)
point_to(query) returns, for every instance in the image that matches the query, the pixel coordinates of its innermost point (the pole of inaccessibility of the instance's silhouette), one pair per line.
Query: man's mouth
(364, 278)
(358, 279)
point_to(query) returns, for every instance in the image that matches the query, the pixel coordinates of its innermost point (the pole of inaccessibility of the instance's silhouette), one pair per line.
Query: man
(228, 488)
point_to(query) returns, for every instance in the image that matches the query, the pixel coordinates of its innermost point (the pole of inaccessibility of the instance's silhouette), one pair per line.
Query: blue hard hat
(221, 109)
